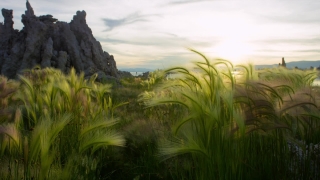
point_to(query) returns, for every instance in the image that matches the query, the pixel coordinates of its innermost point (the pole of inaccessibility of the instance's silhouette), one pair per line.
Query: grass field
(208, 123)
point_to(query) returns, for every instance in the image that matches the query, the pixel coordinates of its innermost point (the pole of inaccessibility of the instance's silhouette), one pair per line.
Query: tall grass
(65, 120)
(209, 122)
(239, 126)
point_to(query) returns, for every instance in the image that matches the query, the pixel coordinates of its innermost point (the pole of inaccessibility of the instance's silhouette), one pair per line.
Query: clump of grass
(236, 124)
(153, 79)
(66, 119)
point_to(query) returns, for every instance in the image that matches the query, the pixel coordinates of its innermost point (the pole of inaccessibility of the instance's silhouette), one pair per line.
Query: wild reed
(238, 126)
(65, 119)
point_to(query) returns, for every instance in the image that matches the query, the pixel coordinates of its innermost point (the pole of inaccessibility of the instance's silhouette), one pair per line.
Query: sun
(234, 50)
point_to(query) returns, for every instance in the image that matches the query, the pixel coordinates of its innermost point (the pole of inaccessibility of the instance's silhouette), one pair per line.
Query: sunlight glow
(234, 50)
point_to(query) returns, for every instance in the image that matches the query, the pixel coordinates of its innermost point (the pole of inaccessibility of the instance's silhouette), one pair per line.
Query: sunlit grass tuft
(238, 123)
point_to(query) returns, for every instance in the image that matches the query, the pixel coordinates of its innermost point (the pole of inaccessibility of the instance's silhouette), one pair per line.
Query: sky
(157, 34)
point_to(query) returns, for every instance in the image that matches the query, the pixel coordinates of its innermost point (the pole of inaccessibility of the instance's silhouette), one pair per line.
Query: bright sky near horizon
(156, 33)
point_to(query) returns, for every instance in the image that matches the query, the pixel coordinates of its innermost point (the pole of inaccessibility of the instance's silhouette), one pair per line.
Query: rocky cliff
(47, 42)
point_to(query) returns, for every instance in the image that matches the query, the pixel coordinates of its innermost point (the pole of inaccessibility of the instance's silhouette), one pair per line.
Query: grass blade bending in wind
(233, 119)
(64, 117)
(202, 94)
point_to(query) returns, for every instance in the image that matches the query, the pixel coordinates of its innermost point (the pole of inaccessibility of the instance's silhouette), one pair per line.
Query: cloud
(164, 40)
(130, 19)
(291, 19)
(285, 11)
(299, 51)
(291, 41)
(181, 2)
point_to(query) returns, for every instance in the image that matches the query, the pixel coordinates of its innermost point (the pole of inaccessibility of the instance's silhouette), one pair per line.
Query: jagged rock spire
(7, 27)
(283, 64)
(29, 12)
(80, 17)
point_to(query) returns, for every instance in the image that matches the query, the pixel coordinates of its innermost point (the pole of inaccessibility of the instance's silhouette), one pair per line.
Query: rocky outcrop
(125, 74)
(47, 42)
(283, 63)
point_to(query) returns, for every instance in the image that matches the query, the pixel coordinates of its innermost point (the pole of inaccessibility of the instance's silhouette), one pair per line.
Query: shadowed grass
(237, 123)
(64, 116)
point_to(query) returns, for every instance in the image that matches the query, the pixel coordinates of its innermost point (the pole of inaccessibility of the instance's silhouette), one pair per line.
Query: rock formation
(283, 63)
(47, 42)
(125, 74)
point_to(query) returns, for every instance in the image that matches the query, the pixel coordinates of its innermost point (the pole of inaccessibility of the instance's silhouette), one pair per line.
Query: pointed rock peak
(8, 22)
(29, 12)
(80, 17)
(7, 15)
(283, 62)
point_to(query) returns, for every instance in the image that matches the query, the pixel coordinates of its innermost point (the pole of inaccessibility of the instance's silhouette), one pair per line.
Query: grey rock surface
(47, 42)
(125, 74)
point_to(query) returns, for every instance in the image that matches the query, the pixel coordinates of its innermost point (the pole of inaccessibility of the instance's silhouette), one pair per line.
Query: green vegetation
(209, 122)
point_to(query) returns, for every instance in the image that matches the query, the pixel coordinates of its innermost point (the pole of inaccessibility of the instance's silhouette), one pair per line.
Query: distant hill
(135, 69)
(300, 64)
(303, 64)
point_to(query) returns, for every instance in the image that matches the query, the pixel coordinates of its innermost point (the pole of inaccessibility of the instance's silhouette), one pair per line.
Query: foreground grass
(242, 126)
(60, 123)
(208, 123)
